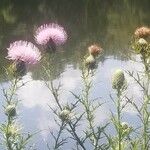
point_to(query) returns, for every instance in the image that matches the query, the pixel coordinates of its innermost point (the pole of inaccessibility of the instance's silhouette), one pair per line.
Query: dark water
(108, 23)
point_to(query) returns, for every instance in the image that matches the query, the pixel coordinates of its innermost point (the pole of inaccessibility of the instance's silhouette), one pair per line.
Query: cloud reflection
(36, 96)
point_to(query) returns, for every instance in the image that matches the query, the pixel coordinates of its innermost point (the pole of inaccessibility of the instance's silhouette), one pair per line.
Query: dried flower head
(118, 79)
(142, 32)
(24, 51)
(50, 33)
(94, 50)
(10, 110)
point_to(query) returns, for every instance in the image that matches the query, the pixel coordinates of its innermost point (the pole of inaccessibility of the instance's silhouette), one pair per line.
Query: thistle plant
(63, 113)
(11, 136)
(68, 118)
(94, 133)
(142, 48)
(123, 130)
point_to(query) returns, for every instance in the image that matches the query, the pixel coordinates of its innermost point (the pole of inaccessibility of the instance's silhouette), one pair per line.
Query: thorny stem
(9, 119)
(58, 136)
(76, 136)
(146, 115)
(7, 135)
(12, 141)
(55, 94)
(86, 105)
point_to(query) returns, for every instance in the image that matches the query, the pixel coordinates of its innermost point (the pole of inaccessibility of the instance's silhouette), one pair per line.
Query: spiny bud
(124, 125)
(65, 115)
(13, 130)
(90, 60)
(142, 42)
(140, 46)
(118, 79)
(10, 110)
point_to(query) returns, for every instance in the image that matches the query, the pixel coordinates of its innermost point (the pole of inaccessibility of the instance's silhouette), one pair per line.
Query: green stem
(145, 107)
(119, 118)
(8, 144)
(55, 94)
(76, 136)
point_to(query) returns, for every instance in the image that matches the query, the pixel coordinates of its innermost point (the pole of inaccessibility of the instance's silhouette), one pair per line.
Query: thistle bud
(118, 79)
(124, 125)
(65, 115)
(140, 46)
(13, 130)
(90, 60)
(10, 110)
(142, 42)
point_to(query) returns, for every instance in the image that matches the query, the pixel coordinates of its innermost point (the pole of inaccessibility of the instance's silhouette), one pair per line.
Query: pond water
(108, 23)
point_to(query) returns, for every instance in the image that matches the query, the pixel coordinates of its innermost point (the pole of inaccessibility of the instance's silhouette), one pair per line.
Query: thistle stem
(55, 94)
(119, 118)
(146, 116)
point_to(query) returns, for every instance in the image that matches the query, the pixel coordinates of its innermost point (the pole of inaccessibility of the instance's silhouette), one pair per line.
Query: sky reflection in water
(35, 113)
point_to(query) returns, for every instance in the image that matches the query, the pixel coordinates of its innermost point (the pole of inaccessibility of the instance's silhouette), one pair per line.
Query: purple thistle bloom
(50, 34)
(23, 51)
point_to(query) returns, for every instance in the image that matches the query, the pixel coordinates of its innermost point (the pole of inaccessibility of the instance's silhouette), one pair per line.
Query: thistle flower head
(94, 50)
(10, 110)
(24, 51)
(65, 114)
(118, 79)
(48, 32)
(142, 32)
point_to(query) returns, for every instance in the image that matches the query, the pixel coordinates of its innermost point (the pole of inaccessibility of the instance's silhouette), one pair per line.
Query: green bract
(10, 110)
(90, 59)
(141, 46)
(13, 130)
(124, 125)
(118, 79)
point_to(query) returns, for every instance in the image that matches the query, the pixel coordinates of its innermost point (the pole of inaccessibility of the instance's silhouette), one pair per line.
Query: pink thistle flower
(50, 34)
(95, 49)
(23, 51)
(142, 32)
